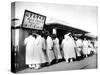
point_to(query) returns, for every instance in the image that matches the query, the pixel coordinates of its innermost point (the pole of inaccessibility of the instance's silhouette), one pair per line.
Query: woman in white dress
(79, 48)
(90, 47)
(68, 46)
(30, 47)
(39, 54)
(85, 47)
(49, 50)
(56, 49)
(95, 46)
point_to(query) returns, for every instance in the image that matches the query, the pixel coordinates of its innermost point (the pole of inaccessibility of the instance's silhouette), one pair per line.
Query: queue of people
(41, 49)
(85, 47)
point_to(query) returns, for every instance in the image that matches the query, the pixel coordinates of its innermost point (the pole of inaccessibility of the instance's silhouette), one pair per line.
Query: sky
(78, 16)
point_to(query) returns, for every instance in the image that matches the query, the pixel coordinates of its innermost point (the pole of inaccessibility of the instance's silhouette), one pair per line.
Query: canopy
(66, 28)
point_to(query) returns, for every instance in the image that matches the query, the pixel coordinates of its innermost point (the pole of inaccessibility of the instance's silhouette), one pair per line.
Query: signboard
(33, 20)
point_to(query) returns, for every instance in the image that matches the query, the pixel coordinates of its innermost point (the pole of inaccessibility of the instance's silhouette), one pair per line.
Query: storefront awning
(65, 27)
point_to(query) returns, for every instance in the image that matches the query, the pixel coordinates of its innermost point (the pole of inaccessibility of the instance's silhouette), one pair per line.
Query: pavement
(86, 63)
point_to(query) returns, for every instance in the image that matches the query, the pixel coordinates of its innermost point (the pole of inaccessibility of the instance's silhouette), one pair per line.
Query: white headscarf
(66, 36)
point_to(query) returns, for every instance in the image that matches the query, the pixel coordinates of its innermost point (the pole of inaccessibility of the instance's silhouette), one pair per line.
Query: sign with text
(33, 20)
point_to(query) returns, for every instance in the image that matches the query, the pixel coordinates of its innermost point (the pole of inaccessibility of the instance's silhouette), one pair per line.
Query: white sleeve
(25, 41)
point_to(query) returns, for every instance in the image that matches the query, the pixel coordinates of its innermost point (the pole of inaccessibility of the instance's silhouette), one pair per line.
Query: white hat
(68, 33)
(66, 36)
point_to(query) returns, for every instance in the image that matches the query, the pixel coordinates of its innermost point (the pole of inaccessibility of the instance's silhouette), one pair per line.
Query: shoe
(33, 66)
(30, 66)
(71, 60)
(37, 67)
(67, 61)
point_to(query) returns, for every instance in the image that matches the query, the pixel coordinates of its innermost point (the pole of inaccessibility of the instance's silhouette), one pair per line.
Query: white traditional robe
(57, 48)
(95, 46)
(73, 46)
(90, 47)
(68, 48)
(85, 47)
(30, 47)
(43, 43)
(50, 54)
(39, 54)
(79, 47)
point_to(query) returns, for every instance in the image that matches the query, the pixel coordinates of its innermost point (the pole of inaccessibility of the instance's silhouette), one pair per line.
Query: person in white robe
(85, 47)
(44, 49)
(30, 47)
(49, 50)
(72, 51)
(39, 54)
(79, 47)
(95, 46)
(56, 49)
(90, 47)
(68, 46)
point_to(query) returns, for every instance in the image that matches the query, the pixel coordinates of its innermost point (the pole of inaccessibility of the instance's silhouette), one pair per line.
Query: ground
(86, 63)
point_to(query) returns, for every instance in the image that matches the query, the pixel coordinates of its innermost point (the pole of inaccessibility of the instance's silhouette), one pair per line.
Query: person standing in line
(85, 47)
(64, 47)
(39, 54)
(30, 47)
(44, 46)
(56, 48)
(73, 47)
(90, 47)
(49, 50)
(78, 48)
(95, 46)
(68, 46)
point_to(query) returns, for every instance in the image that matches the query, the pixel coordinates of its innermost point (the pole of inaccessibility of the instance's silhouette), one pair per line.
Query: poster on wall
(33, 20)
